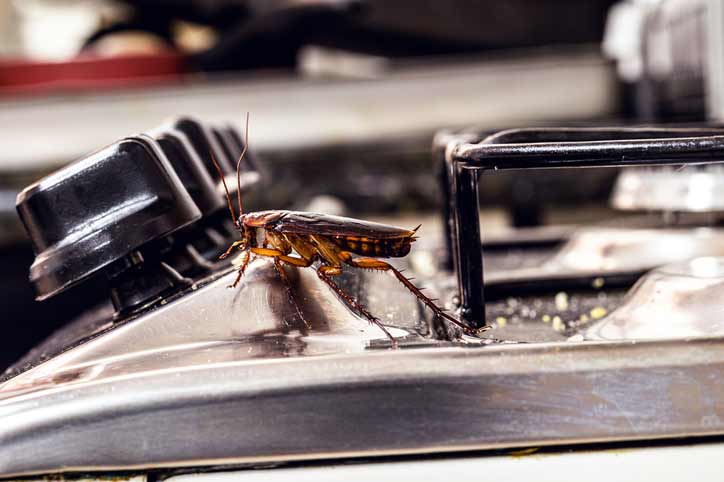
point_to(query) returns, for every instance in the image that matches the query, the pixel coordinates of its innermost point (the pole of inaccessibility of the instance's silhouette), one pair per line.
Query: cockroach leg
(290, 291)
(376, 264)
(268, 252)
(241, 270)
(276, 254)
(231, 248)
(324, 273)
(298, 262)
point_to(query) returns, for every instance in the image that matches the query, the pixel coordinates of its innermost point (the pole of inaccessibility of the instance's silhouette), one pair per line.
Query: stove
(596, 333)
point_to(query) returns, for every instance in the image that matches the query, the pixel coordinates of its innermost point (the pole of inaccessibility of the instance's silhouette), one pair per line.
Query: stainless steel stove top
(213, 376)
(228, 377)
(175, 370)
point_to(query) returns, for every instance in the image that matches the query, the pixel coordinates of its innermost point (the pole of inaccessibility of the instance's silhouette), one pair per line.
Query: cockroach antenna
(226, 189)
(238, 163)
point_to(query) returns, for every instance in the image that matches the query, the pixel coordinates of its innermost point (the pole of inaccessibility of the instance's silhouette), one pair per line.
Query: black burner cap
(100, 209)
(190, 168)
(206, 144)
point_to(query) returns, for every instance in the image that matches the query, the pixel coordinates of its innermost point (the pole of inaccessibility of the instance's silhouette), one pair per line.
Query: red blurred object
(18, 77)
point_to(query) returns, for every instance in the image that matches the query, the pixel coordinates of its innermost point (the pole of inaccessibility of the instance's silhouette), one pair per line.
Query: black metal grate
(465, 155)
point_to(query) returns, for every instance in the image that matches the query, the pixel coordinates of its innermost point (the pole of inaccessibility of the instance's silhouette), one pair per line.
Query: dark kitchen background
(344, 96)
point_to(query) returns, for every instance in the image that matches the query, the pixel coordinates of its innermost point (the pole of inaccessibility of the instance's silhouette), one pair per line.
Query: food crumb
(561, 301)
(558, 323)
(598, 283)
(598, 312)
(501, 321)
(546, 318)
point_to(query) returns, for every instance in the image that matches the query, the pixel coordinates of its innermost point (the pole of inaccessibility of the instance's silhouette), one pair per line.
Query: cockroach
(331, 240)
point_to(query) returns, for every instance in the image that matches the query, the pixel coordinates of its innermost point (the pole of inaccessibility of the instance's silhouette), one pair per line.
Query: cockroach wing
(298, 222)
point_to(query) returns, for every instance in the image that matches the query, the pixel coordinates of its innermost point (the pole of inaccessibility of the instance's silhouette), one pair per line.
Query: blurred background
(345, 98)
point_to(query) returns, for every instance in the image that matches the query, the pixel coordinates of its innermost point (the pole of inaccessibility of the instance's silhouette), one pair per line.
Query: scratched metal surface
(220, 377)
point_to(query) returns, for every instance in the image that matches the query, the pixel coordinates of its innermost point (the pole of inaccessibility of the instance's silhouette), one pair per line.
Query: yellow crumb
(598, 312)
(523, 452)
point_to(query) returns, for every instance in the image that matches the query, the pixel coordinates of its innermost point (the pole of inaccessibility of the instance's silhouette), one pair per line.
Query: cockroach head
(243, 228)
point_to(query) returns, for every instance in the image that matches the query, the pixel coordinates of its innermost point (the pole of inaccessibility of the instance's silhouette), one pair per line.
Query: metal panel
(217, 378)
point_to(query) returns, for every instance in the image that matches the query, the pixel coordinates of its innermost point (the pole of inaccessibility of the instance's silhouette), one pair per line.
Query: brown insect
(331, 240)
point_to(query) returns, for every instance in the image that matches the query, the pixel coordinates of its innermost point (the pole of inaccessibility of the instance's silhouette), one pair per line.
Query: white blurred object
(612, 249)
(56, 30)
(624, 36)
(693, 189)
(317, 61)
(676, 48)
